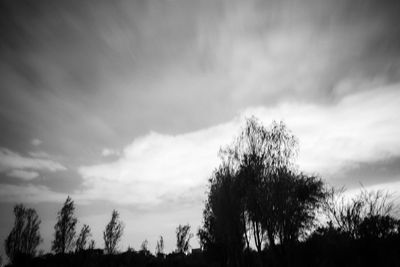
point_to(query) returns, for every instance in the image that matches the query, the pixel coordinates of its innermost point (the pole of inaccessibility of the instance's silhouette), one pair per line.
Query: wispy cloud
(29, 194)
(24, 175)
(20, 166)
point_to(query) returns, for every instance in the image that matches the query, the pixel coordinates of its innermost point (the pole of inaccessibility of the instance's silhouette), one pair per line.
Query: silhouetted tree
(82, 239)
(113, 233)
(92, 244)
(24, 238)
(378, 227)
(144, 248)
(366, 215)
(258, 156)
(222, 234)
(268, 194)
(183, 237)
(65, 228)
(160, 247)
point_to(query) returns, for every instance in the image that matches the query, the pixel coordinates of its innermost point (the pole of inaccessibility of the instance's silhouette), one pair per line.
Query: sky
(125, 104)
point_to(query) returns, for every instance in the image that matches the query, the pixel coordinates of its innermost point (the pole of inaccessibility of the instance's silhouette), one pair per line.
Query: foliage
(65, 228)
(183, 237)
(113, 233)
(24, 237)
(82, 239)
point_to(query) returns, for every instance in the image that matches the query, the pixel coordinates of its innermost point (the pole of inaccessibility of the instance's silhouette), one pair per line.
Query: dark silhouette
(24, 237)
(160, 247)
(82, 239)
(222, 234)
(260, 211)
(113, 233)
(144, 248)
(183, 237)
(257, 188)
(65, 228)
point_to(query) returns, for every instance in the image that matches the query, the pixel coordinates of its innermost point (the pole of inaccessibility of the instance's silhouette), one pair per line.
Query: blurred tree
(24, 238)
(113, 233)
(82, 239)
(160, 247)
(144, 248)
(65, 228)
(183, 237)
(91, 244)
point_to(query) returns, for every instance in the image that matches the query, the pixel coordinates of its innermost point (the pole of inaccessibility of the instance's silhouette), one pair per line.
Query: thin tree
(83, 237)
(24, 238)
(65, 228)
(160, 247)
(144, 248)
(113, 233)
(183, 237)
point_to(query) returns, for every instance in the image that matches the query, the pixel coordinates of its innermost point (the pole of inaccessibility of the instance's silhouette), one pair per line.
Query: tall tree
(24, 238)
(65, 228)
(268, 193)
(113, 233)
(183, 237)
(83, 237)
(223, 232)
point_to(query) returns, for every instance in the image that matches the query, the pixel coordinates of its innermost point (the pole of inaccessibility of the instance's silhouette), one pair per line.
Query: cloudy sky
(125, 105)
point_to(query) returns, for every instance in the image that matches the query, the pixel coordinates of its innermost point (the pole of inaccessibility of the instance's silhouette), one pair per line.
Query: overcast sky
(125, 104)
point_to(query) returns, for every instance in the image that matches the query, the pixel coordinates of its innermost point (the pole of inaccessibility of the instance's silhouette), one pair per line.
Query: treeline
(78, 249)
(259, 199)
(261, 210)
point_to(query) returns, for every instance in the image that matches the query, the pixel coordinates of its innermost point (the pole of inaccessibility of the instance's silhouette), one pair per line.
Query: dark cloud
(369, 173)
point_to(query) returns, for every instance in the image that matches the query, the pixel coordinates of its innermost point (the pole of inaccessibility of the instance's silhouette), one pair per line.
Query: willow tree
(277, 202)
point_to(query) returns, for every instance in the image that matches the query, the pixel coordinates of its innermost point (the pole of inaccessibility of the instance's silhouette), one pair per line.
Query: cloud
(156, 166)
(24, 175)
(106, 152)
(15, 164)
(36, 142)
(361, 127)
(29, 194)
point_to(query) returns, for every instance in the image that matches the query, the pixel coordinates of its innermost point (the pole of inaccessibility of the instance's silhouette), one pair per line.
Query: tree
(183, 237)
(65, 228)
(270, 196)
(223, 231)
(113, 233)
(365, 215)
(24, 238)
(160, 247)
(258, 156)
(144, 248)
(82, 239)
